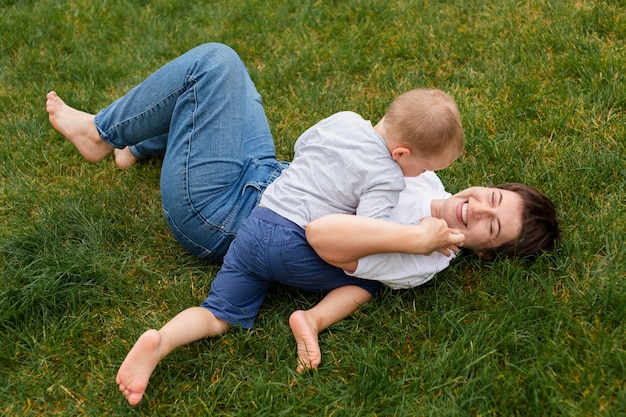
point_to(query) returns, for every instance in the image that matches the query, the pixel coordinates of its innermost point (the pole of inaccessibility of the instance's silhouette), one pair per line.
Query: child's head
(424, 127)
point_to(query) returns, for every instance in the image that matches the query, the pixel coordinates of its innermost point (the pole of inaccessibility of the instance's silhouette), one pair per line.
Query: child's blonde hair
(428, 122)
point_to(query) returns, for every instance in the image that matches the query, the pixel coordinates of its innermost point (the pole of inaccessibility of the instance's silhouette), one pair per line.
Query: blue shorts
(270, 249)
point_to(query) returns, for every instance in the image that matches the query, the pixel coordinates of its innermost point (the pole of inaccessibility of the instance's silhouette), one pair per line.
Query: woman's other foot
(124, 158)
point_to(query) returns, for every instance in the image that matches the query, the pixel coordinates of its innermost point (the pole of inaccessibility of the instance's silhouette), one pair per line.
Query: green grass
(87, 262)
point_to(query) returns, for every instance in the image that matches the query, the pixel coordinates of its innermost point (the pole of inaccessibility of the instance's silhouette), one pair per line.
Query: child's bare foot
(124, 158)
(309, 353)
(78, 127)
(133, 375)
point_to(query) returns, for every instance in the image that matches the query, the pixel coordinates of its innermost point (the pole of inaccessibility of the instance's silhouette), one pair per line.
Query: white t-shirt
(401, 270)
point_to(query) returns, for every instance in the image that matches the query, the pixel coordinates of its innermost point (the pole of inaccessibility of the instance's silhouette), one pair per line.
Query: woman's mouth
(464, 213)
(461, 212)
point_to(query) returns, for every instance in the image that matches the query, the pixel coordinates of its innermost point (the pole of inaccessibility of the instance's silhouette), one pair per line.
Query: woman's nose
(481, 210)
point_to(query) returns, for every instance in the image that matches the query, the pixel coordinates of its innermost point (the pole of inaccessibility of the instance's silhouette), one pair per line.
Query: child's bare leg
(124, 158)
(188, 326)
(307, 324)
(78, 127)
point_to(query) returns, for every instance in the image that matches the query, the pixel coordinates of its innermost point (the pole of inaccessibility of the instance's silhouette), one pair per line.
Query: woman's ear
(486, 255)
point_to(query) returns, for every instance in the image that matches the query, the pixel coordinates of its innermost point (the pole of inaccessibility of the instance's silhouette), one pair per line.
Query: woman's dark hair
(540, 225)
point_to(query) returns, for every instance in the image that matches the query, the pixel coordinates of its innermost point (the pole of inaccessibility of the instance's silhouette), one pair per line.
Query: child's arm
(342, 240)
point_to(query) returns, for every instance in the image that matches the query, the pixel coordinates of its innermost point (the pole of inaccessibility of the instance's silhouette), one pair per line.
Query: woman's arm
(341, 239)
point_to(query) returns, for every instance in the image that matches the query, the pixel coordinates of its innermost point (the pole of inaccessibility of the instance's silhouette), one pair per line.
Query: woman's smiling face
(487, 216)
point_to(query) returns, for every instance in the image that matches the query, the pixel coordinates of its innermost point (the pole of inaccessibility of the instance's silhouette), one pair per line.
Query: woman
(219, 152)
(203, 111)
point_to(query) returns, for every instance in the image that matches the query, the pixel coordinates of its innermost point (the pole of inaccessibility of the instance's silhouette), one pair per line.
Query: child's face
(412, 165)
(489, 217)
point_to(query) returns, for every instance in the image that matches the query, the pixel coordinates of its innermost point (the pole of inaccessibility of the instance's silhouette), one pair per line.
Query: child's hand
(439, 237)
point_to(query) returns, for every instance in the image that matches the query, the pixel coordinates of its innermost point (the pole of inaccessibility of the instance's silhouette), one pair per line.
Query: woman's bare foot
(309, 353)
(134, 374)
(124, 158)
(78, 127)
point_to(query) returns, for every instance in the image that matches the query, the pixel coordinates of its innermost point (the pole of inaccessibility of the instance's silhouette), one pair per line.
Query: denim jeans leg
(207, 105)
(218, 129)
(145, 111)
(149, 148)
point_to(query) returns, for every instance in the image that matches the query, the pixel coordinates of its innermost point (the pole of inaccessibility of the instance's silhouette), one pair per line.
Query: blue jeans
(149, 148)
(206, 113)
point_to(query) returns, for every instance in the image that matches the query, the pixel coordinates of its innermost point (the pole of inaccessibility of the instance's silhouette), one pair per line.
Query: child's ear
(399, 151)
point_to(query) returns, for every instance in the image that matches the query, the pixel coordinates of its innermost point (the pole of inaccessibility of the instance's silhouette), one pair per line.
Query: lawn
(87, 262)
